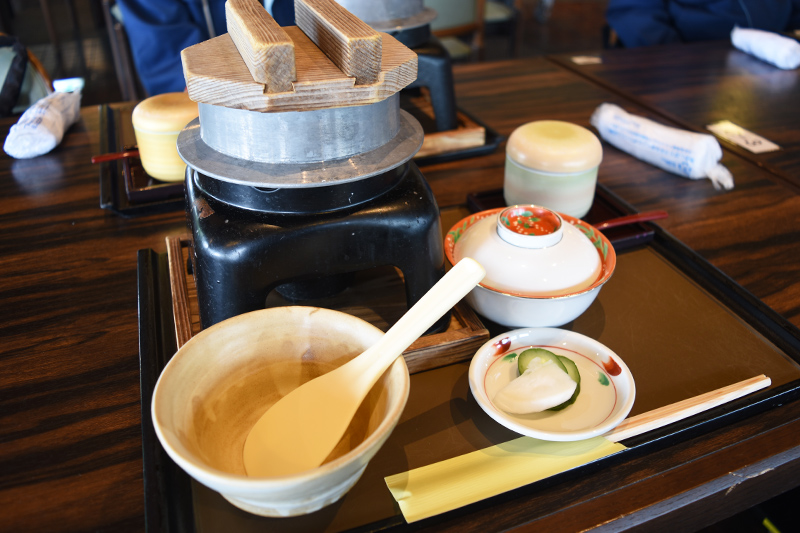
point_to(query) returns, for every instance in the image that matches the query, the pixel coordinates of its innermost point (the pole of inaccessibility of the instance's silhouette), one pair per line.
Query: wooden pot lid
(330, 59)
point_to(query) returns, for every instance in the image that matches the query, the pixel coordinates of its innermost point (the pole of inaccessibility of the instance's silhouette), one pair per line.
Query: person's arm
(641, 22)
(157, 31)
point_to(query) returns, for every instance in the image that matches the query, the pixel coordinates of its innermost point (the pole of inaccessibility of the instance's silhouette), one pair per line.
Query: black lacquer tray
(664, 306)
(126, 189)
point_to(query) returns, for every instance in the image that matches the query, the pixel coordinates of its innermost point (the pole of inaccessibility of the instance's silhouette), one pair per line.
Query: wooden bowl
(219, 384)
(157, 121)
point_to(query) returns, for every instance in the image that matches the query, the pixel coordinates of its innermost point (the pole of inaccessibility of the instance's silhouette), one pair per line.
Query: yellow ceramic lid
(554, 146)
(168, 112)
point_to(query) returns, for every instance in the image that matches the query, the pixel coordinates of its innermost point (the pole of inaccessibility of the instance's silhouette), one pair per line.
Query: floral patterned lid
(529, 250)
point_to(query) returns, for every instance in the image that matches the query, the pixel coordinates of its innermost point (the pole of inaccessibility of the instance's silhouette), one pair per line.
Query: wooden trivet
(467, 134)
(376, 296)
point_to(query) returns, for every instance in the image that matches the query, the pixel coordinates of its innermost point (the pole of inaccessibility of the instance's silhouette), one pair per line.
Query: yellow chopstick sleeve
(447, 485)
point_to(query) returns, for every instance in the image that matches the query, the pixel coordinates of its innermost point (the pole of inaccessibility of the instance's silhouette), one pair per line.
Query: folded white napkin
(41, 127)
(685, 153)
(775, 49)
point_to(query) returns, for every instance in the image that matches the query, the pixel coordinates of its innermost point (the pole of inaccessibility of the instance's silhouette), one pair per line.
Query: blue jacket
(159, 29)
(648, 22)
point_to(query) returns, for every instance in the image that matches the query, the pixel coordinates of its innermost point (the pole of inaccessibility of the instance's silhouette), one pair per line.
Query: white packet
(41, 127)
(685, 153)
(775, 49)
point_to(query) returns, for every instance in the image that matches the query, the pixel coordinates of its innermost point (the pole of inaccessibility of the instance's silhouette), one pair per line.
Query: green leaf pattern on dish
(595, 239)
(458, 232)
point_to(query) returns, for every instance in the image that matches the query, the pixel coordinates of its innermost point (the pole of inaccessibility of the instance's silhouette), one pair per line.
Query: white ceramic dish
(218, 385)
(607, 386)
(532, 285)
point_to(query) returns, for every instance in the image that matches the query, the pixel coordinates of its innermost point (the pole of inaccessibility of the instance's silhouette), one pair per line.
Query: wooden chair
(459, 26)
(504, 17)
(127, 77)
(22, 76)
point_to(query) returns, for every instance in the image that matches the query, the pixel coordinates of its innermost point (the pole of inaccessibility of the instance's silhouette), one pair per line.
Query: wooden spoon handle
(446, 293)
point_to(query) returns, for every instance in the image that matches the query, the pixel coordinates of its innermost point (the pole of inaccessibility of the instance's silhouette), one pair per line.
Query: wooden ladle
(303, 427)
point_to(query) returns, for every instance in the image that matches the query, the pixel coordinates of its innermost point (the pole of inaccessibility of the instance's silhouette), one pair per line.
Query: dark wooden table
(694, 85)
(70, 451)
(722, 226)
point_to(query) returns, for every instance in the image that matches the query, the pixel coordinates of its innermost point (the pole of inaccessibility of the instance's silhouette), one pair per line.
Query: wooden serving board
(377, 296)
(467, 134)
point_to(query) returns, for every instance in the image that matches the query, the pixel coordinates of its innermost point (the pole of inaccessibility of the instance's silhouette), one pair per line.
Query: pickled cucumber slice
(526, 357)
(542, 385)
(572, 370)
(537, 357)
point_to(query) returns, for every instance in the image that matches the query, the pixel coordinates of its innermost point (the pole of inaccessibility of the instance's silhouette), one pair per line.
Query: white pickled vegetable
(542, 386)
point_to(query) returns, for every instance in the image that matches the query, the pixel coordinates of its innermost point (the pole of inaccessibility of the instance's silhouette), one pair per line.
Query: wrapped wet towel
(41, 127)
(685, 153)
(783, 52)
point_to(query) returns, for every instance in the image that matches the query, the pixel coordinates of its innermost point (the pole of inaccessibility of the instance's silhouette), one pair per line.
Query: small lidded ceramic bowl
(553, 164)
(543, 269)
(157, 121)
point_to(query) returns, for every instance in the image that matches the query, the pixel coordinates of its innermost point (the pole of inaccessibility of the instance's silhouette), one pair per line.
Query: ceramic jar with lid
(553, 164)
(543, 269)
(157, 121)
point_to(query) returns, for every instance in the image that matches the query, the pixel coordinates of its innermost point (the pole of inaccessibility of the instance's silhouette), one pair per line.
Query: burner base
(242, 255)
(435, 71)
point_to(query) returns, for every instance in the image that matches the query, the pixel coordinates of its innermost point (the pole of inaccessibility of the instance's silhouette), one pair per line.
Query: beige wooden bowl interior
(220, 383)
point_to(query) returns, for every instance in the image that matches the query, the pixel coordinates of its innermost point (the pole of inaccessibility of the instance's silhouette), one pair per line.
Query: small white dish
(607, 386)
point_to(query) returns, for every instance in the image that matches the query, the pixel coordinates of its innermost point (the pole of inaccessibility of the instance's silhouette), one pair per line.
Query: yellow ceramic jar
(552, 164)
(157, 121)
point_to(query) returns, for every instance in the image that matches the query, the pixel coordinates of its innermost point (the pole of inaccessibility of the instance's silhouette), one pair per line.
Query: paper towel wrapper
(41, 127)
(783, 52)
(685, 153)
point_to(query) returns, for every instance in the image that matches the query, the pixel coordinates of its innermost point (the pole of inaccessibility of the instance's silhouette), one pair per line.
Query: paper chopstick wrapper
(685, 153)
(434, 489)
(441, 487)
(775, 49)
(41, 127)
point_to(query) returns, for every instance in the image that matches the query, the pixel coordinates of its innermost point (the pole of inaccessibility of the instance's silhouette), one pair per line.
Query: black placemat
(663, 305)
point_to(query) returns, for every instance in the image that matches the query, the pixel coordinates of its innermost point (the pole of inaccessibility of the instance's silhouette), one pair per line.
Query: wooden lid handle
(330, 59)
(349, 43)
(264, 46)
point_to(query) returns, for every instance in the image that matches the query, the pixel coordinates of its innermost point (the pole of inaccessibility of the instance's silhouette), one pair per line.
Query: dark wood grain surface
(697, 84)
(738, 230)
(70, 443)
(70, 440)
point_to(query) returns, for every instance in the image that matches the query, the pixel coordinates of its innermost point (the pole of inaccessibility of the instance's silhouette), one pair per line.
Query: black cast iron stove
(295, 214)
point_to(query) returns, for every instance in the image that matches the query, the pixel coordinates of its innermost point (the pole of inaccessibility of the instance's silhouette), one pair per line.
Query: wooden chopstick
(631, 219)
(103, 158)
(630, 427)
